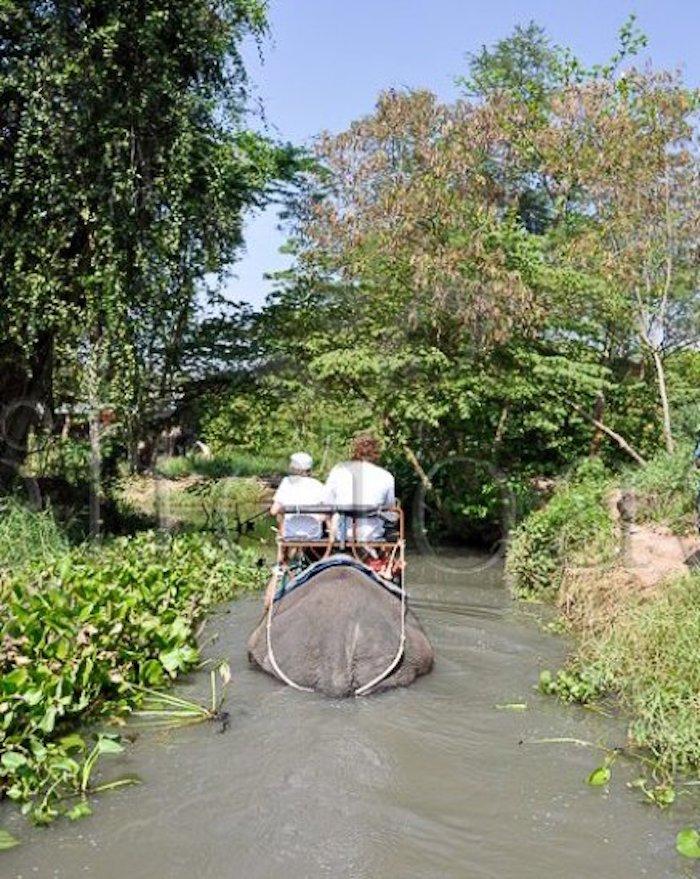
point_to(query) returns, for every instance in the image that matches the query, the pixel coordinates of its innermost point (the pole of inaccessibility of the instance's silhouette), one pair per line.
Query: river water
(428, 782)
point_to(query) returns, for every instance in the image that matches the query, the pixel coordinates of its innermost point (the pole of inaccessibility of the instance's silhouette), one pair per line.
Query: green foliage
(221, 466)
(27, 537)
(651, 659)
(125, 169)
(649, 654)
(458, 289)
(573, 528)
(667, 487)
(81, 630)
(574, 684)
(688, 842)
(528, 65)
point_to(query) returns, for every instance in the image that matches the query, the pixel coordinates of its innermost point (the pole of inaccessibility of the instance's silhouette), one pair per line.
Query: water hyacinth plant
(87, 636)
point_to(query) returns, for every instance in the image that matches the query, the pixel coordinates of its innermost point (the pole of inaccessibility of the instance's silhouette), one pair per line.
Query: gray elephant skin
(337, 632)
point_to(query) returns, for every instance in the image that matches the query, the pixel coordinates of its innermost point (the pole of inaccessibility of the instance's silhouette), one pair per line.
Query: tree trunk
(663, 397)
(95, 472)
(25, 401)
(597, 438)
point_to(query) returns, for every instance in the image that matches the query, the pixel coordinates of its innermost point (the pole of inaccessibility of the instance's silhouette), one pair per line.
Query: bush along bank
(83, 630)
(612, 553)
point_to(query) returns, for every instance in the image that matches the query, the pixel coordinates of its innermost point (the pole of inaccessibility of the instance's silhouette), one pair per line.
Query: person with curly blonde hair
(361, 482)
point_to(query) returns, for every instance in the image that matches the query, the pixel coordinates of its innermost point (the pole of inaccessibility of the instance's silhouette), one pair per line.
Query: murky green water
(427, 782)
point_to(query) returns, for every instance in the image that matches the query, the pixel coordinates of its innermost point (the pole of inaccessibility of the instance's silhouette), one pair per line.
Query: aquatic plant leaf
(94, 629)
(80, 810)
(688, 842)
(108, 745)
(178, 659)
(13, 760)
(32, 697)
(7, 840)
(152, 672)
(225, 672)
(117, 783)
(48, 721)
(73, 742)
(599, 776)
(13, 681)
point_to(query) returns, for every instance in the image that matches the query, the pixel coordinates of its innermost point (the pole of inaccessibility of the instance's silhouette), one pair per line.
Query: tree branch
(620, 440)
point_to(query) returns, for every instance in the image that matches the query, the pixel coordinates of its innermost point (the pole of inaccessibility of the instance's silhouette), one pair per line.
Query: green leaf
(688, 842)
(73, 742)
(48, 721)
(64, 567)
(80, 810)
(7, 840)
(13, 760)
(13, 681)
(106, 745)
(152, 672)
(178, 659)
(62, 648)
(32, 697)
(599, 776)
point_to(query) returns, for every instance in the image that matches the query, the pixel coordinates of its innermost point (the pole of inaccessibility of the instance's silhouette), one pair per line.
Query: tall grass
(574, 528)
(221, 466)
(28, 537)
(646, 652)
(651, 658)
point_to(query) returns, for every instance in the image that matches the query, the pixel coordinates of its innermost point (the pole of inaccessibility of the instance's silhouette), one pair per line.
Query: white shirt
(300, 491)
(362, 484)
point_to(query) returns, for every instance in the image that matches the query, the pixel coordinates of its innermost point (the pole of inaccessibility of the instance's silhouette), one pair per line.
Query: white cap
(301, 461)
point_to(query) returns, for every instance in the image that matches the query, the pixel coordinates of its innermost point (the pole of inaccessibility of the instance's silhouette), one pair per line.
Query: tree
(124, 172)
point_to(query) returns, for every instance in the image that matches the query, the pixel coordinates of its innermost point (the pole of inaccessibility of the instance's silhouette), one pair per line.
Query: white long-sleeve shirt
(362, 484)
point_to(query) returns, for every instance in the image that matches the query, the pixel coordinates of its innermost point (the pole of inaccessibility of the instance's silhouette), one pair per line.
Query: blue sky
(326, 60)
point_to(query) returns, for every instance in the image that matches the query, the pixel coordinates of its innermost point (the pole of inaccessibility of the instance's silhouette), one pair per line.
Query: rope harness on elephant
(360, 691)
(384, 576)
(271, 653)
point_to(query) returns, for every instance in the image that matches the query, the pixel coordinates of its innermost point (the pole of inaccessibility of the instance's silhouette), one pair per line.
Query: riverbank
(617, 555)
(83, 629)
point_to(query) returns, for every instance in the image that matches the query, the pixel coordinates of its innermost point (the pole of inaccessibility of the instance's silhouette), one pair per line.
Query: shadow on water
(425, 783)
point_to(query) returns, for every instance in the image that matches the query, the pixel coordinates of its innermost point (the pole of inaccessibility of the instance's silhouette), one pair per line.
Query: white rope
(365, 688)
(360, 691)
(273, 662)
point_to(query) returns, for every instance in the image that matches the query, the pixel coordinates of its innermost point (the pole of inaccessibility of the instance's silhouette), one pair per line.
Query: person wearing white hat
(297, 490)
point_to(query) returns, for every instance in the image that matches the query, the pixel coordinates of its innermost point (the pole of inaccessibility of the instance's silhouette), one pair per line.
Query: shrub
(174, 468)
(667, 487)
(574, 527)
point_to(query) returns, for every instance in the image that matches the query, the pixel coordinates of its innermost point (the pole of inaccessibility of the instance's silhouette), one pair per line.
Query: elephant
(338, 632)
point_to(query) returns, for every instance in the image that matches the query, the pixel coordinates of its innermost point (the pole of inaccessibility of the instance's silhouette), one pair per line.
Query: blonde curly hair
(365, 446)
